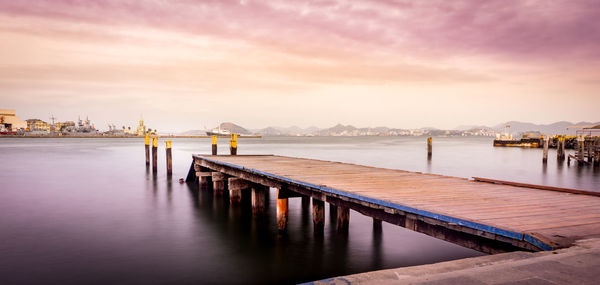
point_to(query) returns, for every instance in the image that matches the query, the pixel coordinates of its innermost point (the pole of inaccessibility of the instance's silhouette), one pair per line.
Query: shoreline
(118, 137)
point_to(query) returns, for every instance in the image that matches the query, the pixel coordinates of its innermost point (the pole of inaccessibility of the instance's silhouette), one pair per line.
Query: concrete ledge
(575, 265)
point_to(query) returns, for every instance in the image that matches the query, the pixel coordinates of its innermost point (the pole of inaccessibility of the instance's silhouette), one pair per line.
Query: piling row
(168, 151)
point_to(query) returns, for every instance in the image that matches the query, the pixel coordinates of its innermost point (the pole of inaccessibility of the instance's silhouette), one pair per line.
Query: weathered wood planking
(488, 217)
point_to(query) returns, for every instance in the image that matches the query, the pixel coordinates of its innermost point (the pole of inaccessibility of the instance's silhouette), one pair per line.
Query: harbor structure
(9, 122)
(141, 129)
(486, 215)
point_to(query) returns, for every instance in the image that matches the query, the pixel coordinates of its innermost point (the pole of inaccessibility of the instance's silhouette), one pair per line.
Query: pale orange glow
(274, 63)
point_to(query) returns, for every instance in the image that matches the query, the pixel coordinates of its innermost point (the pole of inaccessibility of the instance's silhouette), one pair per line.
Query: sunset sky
(186, 64)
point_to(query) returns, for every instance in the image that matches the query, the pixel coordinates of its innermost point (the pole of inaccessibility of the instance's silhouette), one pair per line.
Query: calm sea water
(87, 211)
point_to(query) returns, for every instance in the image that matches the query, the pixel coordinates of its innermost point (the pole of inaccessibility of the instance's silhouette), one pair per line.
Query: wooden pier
(488, 217)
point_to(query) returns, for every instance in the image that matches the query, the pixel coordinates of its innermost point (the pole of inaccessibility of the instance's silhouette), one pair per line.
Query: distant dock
(488, 217)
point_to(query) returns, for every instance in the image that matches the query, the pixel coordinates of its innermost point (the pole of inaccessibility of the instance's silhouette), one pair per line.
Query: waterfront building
(37, 125)
(9, 122)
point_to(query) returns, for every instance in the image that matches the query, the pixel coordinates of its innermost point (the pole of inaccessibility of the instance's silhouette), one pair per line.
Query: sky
(184, 64)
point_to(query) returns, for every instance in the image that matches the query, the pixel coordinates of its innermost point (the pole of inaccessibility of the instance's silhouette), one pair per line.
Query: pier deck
(483, 216)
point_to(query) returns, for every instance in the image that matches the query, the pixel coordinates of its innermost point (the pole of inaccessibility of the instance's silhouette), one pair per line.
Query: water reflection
(125, 225)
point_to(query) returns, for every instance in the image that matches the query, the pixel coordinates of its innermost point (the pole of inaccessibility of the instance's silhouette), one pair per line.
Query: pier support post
(259, 196)
(236, 185)
(214, 145)
(333, 210)
(204, 179)
(218, 179)
(147, 147)
(169, 158)
(318, 212)
(376, 224)
(233, 144)
(282, 213)
(343, 219)
(154, 155)
(590, 150)
(429, 146)
(305, 202)
(545, 155)
(560, 149)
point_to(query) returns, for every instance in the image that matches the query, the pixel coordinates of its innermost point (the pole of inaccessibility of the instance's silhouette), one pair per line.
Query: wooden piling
(545, 154)
(333, 213)
(147, 147)
(154, 154)
(214, 145)
(204, 179)
(282, 214)
(560, 149)
(318, 212)
(580, 149)
(376, 224)
(259, 195)
(169, 158)
(233, 144)
(218, 180)
(236, 185)
(429, 146)
(343, 219)
(305, 202)
(590, 150)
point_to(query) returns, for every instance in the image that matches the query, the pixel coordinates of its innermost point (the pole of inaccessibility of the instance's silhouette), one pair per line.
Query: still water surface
(87, 211)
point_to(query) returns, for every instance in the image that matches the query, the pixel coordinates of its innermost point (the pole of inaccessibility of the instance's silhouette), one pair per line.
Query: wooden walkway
(484, 216)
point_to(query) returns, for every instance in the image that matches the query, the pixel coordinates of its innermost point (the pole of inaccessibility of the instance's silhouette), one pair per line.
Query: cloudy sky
(186, 64)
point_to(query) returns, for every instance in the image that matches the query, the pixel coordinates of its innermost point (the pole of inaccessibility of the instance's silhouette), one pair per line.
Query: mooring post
(560, 149)
(218, 180)
(258, 198)
(154, 154)
(545, 155)
(214, 145)
(343, 219)
(282, 213)
(580, 149)
(147, 147)
(429, 146)
(318, 212)
(169, 158)
(233, 144)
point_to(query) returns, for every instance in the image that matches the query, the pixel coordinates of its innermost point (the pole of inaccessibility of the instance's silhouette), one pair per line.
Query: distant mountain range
(349, 130)
(554, 128)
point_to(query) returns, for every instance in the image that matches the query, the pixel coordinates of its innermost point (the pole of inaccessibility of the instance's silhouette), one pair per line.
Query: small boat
(531, 139)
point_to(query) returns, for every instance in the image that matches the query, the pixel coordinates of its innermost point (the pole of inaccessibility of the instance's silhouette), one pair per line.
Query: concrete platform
(579, 264)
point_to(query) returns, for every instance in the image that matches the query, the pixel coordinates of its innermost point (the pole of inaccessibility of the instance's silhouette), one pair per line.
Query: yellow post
(154, 154)
(429, 146)
(214, 145)
(233, 144)
(169, 158)
(147, 147)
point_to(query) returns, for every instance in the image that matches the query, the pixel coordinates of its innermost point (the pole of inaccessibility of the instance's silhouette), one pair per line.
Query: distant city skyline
(405, 64)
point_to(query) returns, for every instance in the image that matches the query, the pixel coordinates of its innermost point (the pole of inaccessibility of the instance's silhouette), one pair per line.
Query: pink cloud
(536, 29)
